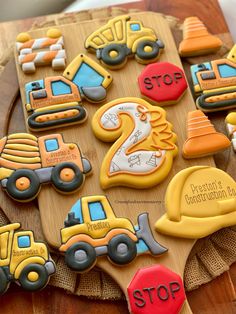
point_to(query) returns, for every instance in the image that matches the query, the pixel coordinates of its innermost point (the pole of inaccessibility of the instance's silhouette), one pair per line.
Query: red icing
(156, 289)
(162, 82)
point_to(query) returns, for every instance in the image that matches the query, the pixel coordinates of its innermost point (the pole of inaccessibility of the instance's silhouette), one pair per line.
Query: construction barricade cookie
(92, 230)
(144, 147)
(120, 38)
(26, 162)
(23, 260)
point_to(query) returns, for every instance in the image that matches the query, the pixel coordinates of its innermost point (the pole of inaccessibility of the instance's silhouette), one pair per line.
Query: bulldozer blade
(50, 123)
(94, 94)
(144, 233)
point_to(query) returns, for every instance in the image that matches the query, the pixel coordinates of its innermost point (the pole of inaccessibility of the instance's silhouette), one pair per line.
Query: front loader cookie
(27, 161)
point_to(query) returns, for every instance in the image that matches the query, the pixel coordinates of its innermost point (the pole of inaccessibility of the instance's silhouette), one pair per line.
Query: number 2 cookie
(144, 147)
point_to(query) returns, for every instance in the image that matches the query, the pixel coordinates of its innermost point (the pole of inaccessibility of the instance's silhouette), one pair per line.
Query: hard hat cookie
(199, 201)
(143, 153)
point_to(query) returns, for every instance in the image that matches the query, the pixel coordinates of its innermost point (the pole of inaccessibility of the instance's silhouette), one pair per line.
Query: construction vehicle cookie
(202, 138)
(230, 121)
(215, 82)
(41, 51)
(23, 260)
(199, 201)
(121, 38)
(197, 40)
(56, 101)
(93, 230)
(143, 153)
(27, 161)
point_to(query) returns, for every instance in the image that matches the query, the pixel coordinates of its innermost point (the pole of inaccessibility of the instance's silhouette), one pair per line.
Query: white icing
(142, 161)
(232, 134)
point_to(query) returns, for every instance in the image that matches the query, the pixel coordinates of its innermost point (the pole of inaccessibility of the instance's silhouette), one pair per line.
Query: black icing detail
(219, 105)
(115, 255)
(67, 186)
(208, 76)
(33, 125)
(33, 285)
(39, 94)
(3, 281)
(80, 265)
(71, 220)
(25, 195)
(147, 55)
(119, 59)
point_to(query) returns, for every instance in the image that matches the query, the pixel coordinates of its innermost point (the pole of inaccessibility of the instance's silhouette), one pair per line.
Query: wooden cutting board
(126, 202)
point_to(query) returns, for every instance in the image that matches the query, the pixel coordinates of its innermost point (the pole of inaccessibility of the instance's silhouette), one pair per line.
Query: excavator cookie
(199, 201)
(56, 101)
(93, 230)
(202, 139)
(23, 260)
(215, 82)
(121, 38)
(143, 153)
(197, 40)
(27, 161)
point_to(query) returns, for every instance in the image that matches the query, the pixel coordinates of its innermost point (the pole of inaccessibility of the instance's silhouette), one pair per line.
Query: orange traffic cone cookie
(197, 40)
(202, 138)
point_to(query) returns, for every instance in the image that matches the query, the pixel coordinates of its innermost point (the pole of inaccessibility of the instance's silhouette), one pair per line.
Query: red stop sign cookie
(163, 83)
(156, 289)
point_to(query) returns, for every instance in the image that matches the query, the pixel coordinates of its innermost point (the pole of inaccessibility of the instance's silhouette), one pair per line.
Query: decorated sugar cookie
(92, 229)
(143, 153)
(202, 138)
(156, 289)
(199, 201)
(162, 83)
(230, 121)
(41, 51)
(56, 101)
(27, 161)
(197, 40)
(122, 37)
(23, 260)
(215, 82)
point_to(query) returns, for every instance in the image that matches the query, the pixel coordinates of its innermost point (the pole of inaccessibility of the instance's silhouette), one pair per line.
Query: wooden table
(216, 297)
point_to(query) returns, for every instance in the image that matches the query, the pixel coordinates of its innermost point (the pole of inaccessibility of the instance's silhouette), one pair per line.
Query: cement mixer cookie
(121, 38)
(23, 260)
(92, 230)
(215, 82)
(197, 40)
(26, 162)
(199, 201)
(144, 150)
(202, 138)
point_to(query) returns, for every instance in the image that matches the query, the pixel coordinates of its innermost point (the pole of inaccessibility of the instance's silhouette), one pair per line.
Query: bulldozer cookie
(121, 38)
(93, 230)
(215, 82)
(57, 100)
(199, 201)
(41, 51)
(162, 83)
(230, 121)
(144, 150)
(26, 162)
(202, 138)
(23, 260)
(197, 40)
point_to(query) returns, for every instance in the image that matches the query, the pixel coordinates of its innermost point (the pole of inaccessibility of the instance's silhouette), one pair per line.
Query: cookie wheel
(33, 277)
(4, 283)
(147, 50)
(121, 249)
(114, 55)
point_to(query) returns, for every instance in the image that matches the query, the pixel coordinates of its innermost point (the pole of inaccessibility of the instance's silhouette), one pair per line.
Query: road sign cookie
(144, 150)
(197, 40)
(26, 162)
(215, 82)
(230, 121)
(120, 38)
(162, 83)
(56, 101)
(23, 260)
(202, 138)
(41, 51)
(92, 229)
(156, 289)
(199, 201)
